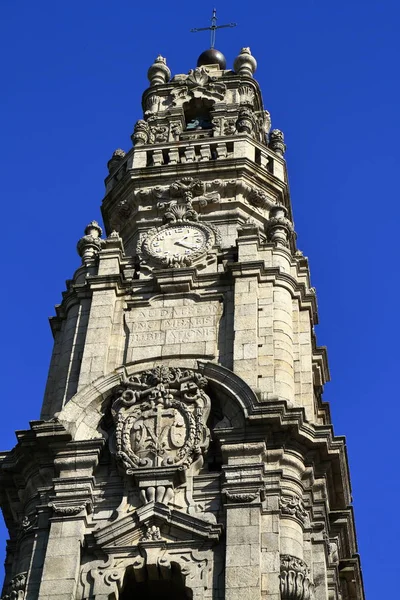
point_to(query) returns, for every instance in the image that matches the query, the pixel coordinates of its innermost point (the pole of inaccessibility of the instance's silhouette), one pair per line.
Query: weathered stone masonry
(184, 449)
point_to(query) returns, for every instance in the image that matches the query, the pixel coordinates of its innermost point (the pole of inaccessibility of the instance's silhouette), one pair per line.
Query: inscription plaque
(173, 326)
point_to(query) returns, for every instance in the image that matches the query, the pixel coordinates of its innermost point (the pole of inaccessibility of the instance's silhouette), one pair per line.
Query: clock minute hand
(188, 246)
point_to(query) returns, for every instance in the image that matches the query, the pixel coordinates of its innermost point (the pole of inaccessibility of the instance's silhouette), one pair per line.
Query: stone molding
(295, 582)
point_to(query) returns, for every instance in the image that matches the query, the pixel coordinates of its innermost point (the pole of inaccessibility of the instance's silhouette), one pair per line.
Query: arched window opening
(197, 115)
(145, 588)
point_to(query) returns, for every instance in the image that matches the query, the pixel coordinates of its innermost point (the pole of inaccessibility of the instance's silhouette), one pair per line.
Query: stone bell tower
(184, 450)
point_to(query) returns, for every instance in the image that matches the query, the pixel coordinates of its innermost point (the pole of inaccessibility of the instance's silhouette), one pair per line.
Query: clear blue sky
(72, 74)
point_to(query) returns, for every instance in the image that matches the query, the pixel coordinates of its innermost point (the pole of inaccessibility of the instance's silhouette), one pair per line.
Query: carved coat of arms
(160, 418)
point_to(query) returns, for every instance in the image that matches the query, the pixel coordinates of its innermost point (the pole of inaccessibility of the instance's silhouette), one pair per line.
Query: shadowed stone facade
(184, 450)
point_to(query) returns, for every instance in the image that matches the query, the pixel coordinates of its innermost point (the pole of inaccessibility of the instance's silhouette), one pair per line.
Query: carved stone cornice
(295, 582)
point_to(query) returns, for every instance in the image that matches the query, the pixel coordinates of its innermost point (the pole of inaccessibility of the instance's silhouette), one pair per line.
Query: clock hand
(188, 246)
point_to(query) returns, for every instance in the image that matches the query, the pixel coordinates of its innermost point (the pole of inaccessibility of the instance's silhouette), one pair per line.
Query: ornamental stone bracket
(160, 420)
(241, 497)
(295, 582)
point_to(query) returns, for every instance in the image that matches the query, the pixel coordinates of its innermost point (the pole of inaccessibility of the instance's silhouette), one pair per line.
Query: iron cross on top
(213, 27)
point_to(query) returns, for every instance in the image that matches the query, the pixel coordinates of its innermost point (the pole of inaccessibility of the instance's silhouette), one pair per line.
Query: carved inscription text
(174, 325)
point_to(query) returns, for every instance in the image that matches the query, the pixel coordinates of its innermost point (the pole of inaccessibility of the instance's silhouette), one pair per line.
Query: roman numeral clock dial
(178, 244)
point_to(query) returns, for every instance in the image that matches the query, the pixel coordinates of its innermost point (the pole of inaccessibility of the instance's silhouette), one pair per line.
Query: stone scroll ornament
(295, 582)
(160, 417)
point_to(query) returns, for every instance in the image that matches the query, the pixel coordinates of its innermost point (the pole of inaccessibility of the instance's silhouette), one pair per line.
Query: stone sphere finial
(245, 63)
(159, 73)
(93, 229)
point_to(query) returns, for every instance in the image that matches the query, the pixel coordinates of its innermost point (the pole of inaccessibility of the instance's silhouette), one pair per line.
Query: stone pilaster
(243, 488)
(71, 504)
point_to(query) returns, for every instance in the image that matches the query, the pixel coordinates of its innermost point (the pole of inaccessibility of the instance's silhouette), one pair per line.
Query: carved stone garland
(160, 418)
(295, 583)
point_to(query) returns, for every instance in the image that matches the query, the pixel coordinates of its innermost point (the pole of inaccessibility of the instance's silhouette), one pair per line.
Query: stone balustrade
(197, 151)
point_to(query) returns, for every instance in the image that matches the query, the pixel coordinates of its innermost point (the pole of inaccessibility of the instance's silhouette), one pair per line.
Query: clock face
(177, 242)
